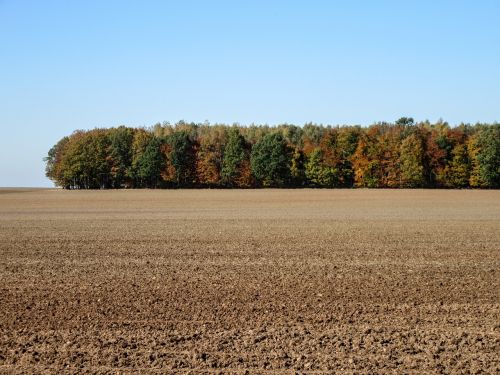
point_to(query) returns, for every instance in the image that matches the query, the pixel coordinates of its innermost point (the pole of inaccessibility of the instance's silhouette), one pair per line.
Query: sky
(67, 65)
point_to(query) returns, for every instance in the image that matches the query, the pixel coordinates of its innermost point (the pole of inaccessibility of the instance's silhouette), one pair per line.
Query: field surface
(255, 281)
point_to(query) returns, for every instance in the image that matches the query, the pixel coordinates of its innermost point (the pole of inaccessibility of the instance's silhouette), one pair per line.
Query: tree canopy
(403, 154)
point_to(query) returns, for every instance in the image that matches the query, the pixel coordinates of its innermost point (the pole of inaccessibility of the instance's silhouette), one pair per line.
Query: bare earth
(256, 281)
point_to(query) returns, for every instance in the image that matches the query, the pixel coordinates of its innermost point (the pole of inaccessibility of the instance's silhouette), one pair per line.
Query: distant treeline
(403, 154)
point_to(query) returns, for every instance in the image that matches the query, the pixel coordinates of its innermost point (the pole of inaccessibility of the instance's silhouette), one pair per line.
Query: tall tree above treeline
(403, 154)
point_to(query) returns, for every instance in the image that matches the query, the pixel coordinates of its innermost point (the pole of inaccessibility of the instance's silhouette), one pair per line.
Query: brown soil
(256, 281)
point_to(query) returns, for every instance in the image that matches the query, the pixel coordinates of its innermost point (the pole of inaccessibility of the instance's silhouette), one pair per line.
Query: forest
(402, 154)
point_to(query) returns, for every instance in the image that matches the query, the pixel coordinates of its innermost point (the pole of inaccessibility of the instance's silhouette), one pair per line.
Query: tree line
(403, 154)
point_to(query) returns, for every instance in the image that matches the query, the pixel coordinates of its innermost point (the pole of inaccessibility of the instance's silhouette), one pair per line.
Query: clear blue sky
(67, 65)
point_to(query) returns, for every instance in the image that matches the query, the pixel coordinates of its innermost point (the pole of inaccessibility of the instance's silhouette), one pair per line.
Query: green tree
(150, 164)
(234, 155)
(180, 159)
(411, 162)
(270, 160)
(120, 154)
(405, 121)
(484, 151)
(140, 142)
(346, 144)
(297, 167)
(318, 173)
(457, 172)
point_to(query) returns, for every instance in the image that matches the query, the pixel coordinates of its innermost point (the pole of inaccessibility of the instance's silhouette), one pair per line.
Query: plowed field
(255, 281)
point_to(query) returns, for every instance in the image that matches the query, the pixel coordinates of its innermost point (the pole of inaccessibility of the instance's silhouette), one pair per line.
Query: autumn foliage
(403, 154)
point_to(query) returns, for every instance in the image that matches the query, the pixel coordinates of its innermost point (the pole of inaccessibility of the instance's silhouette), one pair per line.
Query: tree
(297, 167)
(209, 155)
(345, 145)
(389, 152)
(120, 154)
(72, 164)
(484, 151)
(270, 160)
(85, 162)
(140, 142)
(405, 121)
(180, 153)
(54, 163)
(235, 153)
(411, 160)
(366, 160)
(437, 149)
(313, 167)
(318, 173)
(457, 172)
(150, 164)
